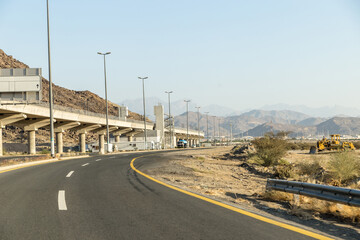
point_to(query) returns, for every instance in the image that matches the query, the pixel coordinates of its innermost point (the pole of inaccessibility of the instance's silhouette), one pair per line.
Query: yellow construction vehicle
(332, 144)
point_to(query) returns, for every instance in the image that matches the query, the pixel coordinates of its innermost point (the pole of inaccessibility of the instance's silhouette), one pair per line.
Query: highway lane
(106, 199)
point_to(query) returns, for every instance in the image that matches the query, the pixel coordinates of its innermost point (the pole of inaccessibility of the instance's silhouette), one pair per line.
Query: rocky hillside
(257, 122)
(243, 122)
(84, 100)
(312, 121)
(280, 116)
(295, 130)
(66, 97)
(341, 125)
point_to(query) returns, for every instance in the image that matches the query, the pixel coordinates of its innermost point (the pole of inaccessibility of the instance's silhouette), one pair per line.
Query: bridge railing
(190, 130)
(335, 194)
(88, 113)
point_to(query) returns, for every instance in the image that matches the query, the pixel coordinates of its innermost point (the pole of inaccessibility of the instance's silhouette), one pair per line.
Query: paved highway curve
(102, 197)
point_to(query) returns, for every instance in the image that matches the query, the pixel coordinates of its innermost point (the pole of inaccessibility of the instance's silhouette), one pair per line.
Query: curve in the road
(258, 217)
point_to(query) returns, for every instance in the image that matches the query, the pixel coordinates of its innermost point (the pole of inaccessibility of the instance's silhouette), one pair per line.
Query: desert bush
(313, 169)
(45, 151)
(344, 167)
(292, 146)
(277, 195)
(300, 145)
(357, 144)
(270, 149)
(284, 171)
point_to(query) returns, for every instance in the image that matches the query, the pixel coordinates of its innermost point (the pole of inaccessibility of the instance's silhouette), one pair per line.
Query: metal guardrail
(335, 194)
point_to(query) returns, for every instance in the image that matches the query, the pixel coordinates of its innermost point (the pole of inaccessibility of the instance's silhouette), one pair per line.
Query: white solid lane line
(85, 164)
(112, 157)
(98, 160)
(69, 174)
(61, 200)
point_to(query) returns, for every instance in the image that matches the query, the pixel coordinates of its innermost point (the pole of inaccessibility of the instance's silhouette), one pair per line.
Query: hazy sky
(240, 54)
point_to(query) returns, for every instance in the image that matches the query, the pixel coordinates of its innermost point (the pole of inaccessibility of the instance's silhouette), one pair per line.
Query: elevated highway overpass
(31, 117)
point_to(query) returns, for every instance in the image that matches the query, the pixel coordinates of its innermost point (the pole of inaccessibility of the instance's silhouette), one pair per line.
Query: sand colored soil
(216, 174)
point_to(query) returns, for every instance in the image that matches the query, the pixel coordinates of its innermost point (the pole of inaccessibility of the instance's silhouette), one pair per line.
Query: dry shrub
(277, 196)
(312, 169)
(300, 145)
(318, 206)
(300, 212)
(308, 207)
(357, 144)
(344, 167)
(284, 171)
(270, 149)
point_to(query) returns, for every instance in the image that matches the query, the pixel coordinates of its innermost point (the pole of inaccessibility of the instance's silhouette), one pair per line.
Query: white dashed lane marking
(69, 174)
(61, 200)
(85, 164)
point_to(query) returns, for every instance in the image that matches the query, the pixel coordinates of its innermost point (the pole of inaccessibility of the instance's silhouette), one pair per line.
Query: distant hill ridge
(258, 122)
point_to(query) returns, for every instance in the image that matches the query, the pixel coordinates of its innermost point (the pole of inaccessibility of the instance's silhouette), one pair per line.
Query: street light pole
(106, 99)
(207, 125)
(198, 113)
(214, 130)
(219, 131)
(187, 122)
(170, 119)
(145, 133)
(51, 102)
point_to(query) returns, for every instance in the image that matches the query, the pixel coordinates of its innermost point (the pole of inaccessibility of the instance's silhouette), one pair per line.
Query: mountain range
(298, 119)
(178, 107)
(258, 122)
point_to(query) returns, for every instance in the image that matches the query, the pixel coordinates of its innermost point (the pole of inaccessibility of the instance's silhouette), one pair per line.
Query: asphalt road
(106, 199)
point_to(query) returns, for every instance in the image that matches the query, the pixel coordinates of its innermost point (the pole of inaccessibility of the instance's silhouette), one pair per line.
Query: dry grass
(277, 196)
(209, 172)
(22, 160)
(344, 167)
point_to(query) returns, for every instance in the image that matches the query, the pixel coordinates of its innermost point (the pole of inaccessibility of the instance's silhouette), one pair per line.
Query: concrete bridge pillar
(130, 138)
(101, 143)
(59, 142)
(31, 142)
(1, 144)
(117, 138)
(82, 142)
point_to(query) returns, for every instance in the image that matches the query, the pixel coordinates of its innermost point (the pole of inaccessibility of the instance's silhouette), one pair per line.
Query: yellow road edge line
(253, 215)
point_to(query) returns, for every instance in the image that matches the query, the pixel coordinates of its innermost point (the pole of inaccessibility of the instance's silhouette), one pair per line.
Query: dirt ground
(212, 172)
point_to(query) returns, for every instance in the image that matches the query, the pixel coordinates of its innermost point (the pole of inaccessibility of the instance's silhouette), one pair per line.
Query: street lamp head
(169, 92)
(103, 53)
(187, 100)
(142, 77)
